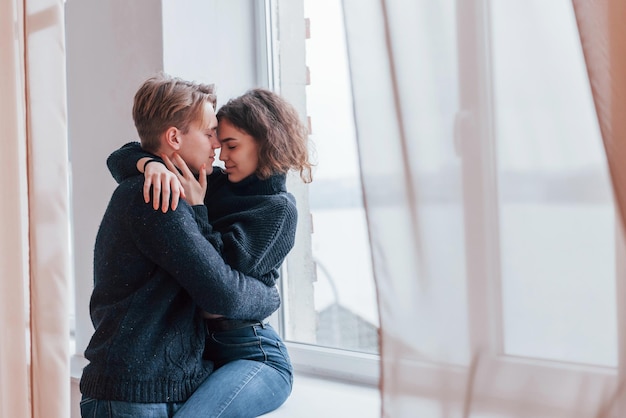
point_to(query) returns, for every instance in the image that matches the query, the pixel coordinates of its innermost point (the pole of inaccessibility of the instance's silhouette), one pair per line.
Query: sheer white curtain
(34, 215)
(496, 238)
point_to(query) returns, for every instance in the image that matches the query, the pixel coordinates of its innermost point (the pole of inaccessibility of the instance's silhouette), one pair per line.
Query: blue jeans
(253, 376)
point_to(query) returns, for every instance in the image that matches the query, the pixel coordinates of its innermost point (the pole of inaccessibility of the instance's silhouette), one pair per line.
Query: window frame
(286, 73)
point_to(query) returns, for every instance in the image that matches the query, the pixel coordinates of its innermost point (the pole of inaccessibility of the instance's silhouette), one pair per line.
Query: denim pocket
(243, 337)
(88, 407)
(240, 344)
(256, 342)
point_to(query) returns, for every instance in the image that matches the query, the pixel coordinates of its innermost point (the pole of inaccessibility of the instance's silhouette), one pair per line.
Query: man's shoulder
(130, 186)
(130, 193)
(125, 197)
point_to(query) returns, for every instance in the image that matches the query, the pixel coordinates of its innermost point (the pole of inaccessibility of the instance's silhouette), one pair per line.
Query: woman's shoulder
(281, 207)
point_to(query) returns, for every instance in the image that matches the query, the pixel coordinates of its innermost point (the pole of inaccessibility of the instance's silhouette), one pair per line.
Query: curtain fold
(14, 358)
(49, 212)
(476, 154)
(603, 39)
(34, 302)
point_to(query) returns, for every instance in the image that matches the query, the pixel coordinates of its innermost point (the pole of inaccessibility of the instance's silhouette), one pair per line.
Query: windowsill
(319, 397)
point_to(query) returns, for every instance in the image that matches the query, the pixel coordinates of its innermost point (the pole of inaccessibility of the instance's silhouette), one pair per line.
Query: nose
(223, 154)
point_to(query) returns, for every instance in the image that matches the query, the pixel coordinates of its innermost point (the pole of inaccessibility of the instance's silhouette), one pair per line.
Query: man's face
(198, 145)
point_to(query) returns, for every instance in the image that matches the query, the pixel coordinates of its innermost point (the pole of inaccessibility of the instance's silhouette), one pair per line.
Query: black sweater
(252, 223)
(153, 273)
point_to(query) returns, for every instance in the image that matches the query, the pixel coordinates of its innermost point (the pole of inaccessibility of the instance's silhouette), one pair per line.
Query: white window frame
(284, 47)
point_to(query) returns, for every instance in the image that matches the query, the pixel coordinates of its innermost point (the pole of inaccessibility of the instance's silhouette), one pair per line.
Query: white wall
(112, 46)
(212, 42)
(108, 55)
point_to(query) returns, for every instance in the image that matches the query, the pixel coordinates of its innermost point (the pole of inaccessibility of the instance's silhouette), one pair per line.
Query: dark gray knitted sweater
(153, 273)
(252, 223)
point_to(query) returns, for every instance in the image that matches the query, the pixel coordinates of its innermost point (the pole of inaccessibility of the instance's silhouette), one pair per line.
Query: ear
(172, 138)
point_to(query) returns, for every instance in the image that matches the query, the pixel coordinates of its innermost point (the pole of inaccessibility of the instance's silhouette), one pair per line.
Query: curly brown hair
(275, 125)
(163, 101)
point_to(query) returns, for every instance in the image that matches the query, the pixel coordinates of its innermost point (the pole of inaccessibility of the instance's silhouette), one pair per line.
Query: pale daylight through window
(343, 291)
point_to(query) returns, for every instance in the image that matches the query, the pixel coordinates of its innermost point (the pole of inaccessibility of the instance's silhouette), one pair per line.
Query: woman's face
(239, 152)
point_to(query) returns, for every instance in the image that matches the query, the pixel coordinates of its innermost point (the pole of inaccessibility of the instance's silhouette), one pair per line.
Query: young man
(154, 272)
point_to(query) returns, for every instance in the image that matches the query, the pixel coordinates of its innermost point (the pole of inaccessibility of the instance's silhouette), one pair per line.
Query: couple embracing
(187, 257)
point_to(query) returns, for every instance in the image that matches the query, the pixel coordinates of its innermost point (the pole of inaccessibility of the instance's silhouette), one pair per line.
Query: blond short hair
(164, 101)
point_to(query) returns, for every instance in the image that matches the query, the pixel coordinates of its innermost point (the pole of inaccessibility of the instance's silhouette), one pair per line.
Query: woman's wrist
(151, 160)
(143, 162)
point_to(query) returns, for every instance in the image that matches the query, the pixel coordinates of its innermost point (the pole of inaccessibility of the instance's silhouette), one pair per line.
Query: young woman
(251, 216)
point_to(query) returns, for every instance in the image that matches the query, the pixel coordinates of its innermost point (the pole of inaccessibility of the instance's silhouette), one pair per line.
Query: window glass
(557, 220)
(344, 294)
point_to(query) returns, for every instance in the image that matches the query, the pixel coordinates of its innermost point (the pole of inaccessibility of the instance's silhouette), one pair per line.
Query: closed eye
(229, 143)
(211, 133)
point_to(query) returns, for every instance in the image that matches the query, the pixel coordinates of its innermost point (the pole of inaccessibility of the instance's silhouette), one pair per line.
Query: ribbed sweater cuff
(135, 390)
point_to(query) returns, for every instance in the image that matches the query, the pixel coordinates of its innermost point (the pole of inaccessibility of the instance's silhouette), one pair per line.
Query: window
(328, 283)
(540, 218)
(511, 212)
(249, 56)
(553, 190)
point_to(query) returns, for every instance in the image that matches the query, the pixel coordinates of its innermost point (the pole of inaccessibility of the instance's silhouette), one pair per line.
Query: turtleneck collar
(254, 186)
